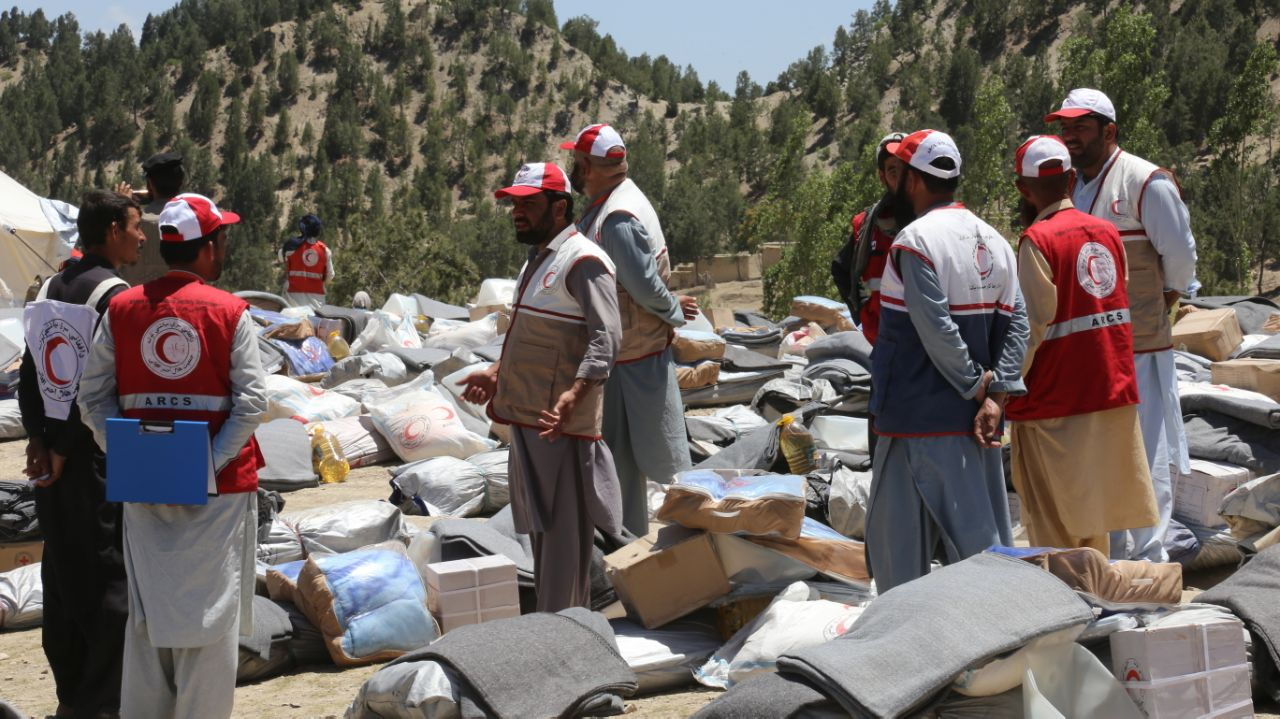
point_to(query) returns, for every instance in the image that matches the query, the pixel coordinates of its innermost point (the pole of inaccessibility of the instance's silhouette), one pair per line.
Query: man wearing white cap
(952, 335)
(1078, 460)
(1144, 203)
(179, 349)
(549, 386)
(643, 412)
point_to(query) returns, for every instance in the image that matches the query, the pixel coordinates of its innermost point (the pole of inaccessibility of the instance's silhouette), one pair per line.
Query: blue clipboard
(159, 462)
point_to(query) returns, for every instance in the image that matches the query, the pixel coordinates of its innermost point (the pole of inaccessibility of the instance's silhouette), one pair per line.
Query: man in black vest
(85, 603)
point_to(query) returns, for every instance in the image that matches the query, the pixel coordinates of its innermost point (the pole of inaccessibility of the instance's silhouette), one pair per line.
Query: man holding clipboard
(177, 350)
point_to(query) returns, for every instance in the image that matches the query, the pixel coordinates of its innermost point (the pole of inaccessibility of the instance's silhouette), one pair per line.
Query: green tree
(202, 114)
(985, 179)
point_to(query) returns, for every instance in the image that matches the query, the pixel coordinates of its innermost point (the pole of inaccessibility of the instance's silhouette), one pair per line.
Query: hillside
(394, 120)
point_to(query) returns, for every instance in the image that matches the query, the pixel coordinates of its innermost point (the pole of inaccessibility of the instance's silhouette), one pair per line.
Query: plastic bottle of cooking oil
(797, 445)
(327, 459)
(338, 347)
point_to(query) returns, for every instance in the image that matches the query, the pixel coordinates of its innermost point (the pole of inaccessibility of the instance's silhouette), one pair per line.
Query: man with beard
(1144, 203)
(83, 569)
(549, 386)
(643, 412)
(179, 349)
(952, 334)
(1078, 462)
(860, 263)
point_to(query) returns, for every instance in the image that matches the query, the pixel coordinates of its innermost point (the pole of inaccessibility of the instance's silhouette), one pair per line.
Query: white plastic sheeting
(331, 529)
(11, 420)
(21, 598)
(386, 330)
(419, 422)
(450, 487)
(288, 397)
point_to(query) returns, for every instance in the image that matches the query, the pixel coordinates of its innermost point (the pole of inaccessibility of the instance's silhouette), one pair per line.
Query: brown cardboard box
(1210, 333)
(1259, 375)
(20, 554)
(667, 574)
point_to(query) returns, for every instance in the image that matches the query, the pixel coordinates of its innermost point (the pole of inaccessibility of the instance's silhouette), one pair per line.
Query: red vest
(1085, 362)
(173, 360)
(869, 313)
(306, 268)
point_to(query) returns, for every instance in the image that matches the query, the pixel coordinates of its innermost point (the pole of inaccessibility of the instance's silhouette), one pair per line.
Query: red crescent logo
(548, 279)
(54, 344)
(1092, 260)
(1116, 206)
(444, 414)
(160, 342)
(409, 434)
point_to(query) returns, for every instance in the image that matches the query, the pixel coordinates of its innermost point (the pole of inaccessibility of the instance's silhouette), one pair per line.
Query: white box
(470, 591)
(1197, 496)
(1192, 670)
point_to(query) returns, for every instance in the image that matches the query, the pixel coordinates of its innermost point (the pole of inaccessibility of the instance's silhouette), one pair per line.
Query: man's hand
(553, 422)
(37, 459)
(688, 305)
(1171, 298)
(124, 188)
(56, 464)
(986, 426)
(981, 396)
(480, 386)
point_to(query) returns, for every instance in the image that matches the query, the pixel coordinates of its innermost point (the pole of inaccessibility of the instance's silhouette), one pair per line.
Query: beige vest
(547, 341)
(1119, 201)
(643, 333)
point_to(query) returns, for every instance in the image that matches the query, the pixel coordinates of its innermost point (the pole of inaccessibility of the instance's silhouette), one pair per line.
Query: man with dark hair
(1145, 204)
(165, 178)
(82, 570)
(308, 264)
(952, 335)
(643, 412)
(549, 386)
(858, 267)
(179, 349)
(1078, 462)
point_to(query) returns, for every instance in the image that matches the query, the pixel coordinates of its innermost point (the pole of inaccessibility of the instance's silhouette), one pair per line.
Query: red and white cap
(598, 141)
(1038, 151)
(535, 177)
(922, 147)
(1084, 101)
(190, 216)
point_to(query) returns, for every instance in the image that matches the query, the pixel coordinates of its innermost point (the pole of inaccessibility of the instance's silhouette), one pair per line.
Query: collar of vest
(561, 238)
(184, 275)
(1101, 178)
(1063, 204)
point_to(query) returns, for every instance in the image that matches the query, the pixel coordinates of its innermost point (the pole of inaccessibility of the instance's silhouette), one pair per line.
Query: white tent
(29, 243)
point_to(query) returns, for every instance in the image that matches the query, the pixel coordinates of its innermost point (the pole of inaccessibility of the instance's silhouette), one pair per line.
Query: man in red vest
(308, 264)
(1079, 465)
(179, 349)
(860, 263)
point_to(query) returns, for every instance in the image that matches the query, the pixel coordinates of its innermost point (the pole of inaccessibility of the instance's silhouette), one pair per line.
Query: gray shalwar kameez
(562, 490)
(190, 568)
(946, 490)
(643, 410)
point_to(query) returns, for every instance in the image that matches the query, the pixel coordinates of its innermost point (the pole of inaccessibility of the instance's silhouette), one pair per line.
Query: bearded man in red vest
(179, 349)
(1079, 464)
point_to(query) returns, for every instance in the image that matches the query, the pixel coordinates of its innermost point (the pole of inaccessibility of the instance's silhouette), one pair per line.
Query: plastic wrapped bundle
(736, 501)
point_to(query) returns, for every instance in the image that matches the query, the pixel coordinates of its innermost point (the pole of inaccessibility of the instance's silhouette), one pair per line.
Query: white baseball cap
(922, 147)
(1039, 150)
(1084, 101)
(598, 140)
(535, 177)
(190, 216)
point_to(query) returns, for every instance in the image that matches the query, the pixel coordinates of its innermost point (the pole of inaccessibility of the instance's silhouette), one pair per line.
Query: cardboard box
(20, 554)
(1188, 670)
(1197, 496)
(471, 591)
(1213, 334)
(1259, 375)
(667, 574)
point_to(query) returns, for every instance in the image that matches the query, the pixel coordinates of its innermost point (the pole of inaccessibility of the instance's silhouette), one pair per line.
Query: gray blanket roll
(1219, 437)
(1263, 414)
(1253, 594)
(915, 638)
(536, 665)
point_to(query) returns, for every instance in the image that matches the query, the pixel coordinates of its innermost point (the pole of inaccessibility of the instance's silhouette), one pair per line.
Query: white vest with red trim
(173, 339)
(643, 333)
(1085, 361)
(547, 341)
(1119, 201)
(307, 266)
